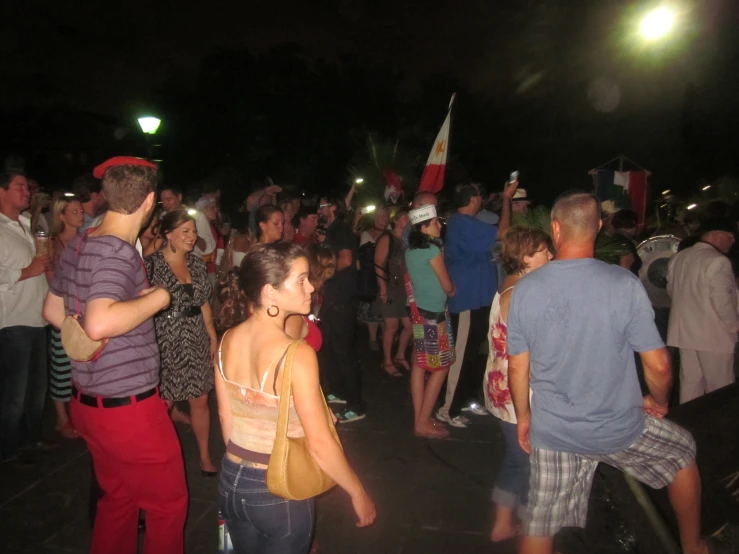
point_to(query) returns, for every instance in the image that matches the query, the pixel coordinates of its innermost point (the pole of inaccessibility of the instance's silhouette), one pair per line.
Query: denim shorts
(258, 521)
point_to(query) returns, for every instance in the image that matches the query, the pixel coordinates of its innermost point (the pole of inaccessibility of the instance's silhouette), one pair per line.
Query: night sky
(572, 81)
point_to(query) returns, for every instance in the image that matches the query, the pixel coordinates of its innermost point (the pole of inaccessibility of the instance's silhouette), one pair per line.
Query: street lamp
(149, 124)
(657, 23)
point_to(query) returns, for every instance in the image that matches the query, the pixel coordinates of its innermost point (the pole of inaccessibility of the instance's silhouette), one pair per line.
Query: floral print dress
(495, 383)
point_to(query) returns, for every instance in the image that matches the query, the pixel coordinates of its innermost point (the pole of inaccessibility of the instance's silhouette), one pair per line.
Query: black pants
(469, 385)
(338, 362)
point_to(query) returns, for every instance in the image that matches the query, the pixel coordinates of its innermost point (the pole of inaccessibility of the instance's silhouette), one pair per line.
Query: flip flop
(427, 436)
(432, 435)
(394, 373)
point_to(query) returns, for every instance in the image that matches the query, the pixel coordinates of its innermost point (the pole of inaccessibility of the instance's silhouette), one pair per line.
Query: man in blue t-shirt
(468, 253)
(573, 328)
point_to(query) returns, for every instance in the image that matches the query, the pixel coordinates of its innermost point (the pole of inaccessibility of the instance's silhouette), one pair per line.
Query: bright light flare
(359, 180)
(706, 187)
(657, 23)
(68, 194)
(369, 209)
(665, 192)
(149, 124)
(692, 206)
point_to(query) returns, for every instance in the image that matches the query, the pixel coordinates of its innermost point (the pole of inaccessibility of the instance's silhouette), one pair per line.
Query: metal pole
(657, 523)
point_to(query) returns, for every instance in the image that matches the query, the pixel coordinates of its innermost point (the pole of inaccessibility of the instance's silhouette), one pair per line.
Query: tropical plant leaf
(538, 217)
(609, 248)
(381, 154)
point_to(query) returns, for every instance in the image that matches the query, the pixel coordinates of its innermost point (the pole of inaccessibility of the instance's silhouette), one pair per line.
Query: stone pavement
(431, 496)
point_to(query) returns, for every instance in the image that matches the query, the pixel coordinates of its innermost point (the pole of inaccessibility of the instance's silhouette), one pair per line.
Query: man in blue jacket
(468, 253)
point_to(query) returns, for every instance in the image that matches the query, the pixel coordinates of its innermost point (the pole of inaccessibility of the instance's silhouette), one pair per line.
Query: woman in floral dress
(524, 250)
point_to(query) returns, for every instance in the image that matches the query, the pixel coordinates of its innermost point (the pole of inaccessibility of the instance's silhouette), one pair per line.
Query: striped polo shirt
(108, 267)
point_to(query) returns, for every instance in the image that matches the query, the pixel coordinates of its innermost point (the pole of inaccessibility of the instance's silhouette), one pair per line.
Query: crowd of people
(181, 300)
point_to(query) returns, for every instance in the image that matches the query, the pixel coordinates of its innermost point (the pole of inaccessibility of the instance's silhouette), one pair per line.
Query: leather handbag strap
(285, 390)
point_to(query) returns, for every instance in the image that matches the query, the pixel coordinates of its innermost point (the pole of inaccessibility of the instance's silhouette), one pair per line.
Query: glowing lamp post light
(149, 125)
(657, 23)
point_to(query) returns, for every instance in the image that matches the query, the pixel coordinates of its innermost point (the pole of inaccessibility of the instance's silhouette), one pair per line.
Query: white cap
(424, 213)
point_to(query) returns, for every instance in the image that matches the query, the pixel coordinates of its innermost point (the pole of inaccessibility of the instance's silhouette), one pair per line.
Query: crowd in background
(432, 284)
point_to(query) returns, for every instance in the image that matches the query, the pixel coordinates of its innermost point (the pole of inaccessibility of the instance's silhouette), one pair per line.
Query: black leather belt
(192, 311)
(101, 402)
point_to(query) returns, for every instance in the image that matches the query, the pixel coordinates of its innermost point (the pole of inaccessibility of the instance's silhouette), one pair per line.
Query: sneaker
(347, 416)
(476, 409)
(459, 421)
(333, 399)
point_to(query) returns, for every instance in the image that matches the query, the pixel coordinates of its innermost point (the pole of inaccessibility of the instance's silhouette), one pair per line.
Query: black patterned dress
(184, 345)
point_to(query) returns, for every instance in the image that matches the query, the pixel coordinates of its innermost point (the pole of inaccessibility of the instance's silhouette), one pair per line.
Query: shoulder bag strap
(285, 391)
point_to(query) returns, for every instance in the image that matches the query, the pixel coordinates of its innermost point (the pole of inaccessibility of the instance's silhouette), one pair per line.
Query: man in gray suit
(704, 318)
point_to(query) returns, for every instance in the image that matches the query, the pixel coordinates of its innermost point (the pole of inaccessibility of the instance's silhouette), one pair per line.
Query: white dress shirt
(21, 302)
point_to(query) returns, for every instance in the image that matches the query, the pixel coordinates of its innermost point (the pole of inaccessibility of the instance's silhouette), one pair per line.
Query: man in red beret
(115, 403)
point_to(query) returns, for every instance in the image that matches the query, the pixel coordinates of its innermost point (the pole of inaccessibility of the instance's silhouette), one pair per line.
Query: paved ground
(431, 496)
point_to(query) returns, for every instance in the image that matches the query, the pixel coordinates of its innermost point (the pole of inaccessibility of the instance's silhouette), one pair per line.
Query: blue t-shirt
(426, 286)
(581, 322)
(468, 253)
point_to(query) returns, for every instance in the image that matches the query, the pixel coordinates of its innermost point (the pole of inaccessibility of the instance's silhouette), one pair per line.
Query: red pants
(139, 465)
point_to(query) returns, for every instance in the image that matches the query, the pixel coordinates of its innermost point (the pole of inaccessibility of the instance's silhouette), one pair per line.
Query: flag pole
(454, 95)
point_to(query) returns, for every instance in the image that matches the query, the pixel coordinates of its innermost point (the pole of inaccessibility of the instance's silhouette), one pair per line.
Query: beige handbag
(77, 345)
(293, 472)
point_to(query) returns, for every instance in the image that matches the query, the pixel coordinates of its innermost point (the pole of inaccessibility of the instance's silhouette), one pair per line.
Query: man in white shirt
(704, 318)
(171, 197)
(23, 372)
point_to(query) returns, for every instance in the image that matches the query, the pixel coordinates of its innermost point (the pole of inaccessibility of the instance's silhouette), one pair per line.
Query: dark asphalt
(431, 496)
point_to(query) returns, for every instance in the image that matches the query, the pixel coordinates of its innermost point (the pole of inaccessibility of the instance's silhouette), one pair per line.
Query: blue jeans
(512, 484)
(23, 382)
(260, 522)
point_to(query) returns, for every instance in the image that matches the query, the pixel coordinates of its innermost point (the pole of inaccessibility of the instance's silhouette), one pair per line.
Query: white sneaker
(459, 421)
(476, 409)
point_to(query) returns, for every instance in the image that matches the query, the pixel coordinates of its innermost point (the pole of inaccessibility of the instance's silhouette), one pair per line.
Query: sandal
(403, 363)
(394, 372)
(440, 434)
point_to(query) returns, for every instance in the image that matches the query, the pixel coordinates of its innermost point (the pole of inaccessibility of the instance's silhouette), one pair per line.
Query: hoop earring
(277, 312)
(174, 250)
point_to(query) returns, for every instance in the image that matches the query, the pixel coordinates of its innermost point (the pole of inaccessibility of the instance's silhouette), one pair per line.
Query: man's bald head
(577, 214)
(424, 199)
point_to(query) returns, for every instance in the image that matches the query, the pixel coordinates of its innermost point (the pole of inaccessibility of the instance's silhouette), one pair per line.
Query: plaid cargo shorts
(561, 481)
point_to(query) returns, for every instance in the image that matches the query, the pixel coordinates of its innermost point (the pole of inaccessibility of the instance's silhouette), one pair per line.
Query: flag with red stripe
(432, 179)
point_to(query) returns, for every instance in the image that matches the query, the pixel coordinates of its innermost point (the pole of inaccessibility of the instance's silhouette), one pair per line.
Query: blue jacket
(468, 254)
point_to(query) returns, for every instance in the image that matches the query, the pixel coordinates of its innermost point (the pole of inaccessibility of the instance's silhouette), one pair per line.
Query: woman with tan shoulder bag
(281, 446)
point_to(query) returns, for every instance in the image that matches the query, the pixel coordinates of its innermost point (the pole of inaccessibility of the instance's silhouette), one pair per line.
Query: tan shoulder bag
(77, 345)
(293, 472)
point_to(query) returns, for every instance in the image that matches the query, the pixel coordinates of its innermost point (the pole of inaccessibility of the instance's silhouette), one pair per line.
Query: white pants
(702, 372)
(460, 345)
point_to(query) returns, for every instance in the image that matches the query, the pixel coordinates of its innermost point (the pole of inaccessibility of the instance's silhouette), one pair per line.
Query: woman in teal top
(428, 287)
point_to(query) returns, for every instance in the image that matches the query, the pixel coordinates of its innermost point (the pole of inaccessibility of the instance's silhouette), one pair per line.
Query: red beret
(120, 160)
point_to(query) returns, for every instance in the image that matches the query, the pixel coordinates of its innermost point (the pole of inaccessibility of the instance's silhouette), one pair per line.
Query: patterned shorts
(561, 481)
